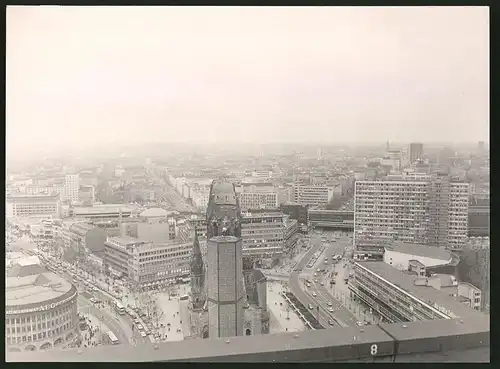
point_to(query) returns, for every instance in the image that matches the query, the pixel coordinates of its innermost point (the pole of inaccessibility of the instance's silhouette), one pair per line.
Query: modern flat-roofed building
(257, 196)
(87, 236)
(434, 259)
(312, 194)
(333, 219)
(403, 296)
(258, 200)
(38, 206)
(428, 210)
(479, 217)
(147, 262)
(35, 190)
(262, 234)
(298, 212)
(103, 212)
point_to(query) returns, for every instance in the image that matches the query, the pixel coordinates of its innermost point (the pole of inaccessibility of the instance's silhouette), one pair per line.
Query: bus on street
(120, 309)
(113, 338)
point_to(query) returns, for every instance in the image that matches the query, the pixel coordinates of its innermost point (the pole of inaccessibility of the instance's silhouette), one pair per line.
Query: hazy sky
(77, 75)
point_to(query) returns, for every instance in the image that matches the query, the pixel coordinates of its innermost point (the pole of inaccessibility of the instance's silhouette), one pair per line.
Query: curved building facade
(40, 312)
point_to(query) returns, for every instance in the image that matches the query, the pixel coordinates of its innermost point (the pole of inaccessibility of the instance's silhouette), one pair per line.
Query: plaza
(283, 317)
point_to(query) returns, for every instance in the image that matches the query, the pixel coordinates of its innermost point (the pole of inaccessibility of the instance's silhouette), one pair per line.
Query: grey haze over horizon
(80, 76)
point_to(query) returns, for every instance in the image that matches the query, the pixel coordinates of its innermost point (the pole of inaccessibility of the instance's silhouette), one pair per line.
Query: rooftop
(433, 252)
(103, 209)
(34, 289)
(154, 212)
(426, 294)
(41, 197)
(466, 340)
(125, 240)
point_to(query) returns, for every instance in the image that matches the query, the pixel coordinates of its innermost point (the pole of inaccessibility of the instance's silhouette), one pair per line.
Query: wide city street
(310, 280)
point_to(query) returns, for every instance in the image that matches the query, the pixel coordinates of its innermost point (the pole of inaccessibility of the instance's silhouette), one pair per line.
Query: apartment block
(427, 210)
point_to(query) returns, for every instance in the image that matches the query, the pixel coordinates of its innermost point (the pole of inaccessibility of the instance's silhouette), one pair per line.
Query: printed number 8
(373, 350)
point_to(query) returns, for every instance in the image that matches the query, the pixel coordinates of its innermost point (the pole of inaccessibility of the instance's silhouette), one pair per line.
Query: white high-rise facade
(71, 186)
(426, 210)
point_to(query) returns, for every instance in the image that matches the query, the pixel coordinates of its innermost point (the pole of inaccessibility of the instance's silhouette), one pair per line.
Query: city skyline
(245, 74)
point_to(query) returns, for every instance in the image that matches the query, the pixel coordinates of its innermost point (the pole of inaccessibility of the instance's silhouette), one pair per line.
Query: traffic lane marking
(325, 315)
(341, 309)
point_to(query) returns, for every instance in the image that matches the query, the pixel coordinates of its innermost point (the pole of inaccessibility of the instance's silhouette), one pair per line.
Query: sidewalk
(278, 307)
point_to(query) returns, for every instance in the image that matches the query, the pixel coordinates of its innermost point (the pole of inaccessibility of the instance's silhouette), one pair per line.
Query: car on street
(314, 294)
(140, 327)
(322, 284)
(310, 306)
(331, 322)
(316, 281)
(143, 334)
(360, 324)
(330, 309)
(315, 274)
(329, 303)
(137, 321)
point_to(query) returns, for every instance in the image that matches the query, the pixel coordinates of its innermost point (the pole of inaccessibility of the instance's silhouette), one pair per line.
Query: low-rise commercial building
(87, 237)
(435, 259)
(36, 206)
(103, 212)
(404, 296)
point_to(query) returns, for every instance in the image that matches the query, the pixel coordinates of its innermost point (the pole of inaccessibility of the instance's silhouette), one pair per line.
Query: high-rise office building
(428, 210)
(71, 187)
(416, 151)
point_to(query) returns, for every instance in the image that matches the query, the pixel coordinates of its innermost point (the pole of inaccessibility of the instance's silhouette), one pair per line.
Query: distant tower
(319, 153)
(225, 287)
(197, 276)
